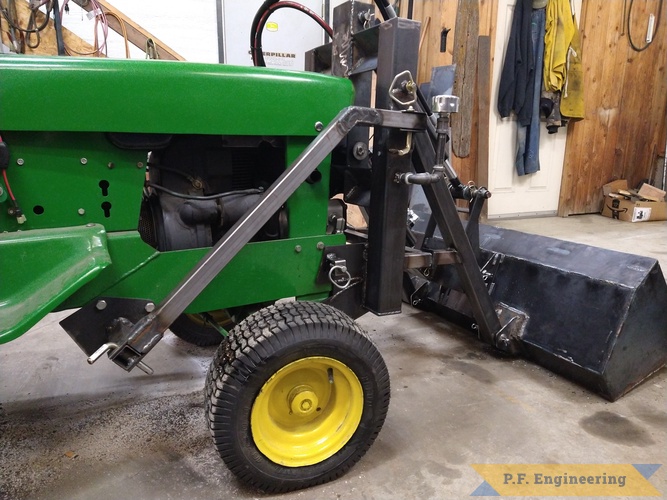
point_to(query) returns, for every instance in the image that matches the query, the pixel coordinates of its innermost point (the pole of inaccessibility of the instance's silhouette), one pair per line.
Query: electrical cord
(9, 188)
(203, 198)
(176, 171)
(123, 31)
(267, 8)
(6, 14)
(15, 210)
(32, 23)
(100, 18)
(4, 163)
(655, 30)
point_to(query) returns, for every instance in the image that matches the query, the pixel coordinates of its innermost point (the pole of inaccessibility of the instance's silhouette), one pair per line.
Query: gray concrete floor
(72, 431)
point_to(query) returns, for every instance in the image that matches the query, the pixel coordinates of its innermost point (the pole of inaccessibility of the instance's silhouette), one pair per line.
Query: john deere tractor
(213, 200)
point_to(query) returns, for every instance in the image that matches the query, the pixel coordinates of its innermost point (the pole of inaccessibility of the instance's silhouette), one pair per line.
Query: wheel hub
(302, 400)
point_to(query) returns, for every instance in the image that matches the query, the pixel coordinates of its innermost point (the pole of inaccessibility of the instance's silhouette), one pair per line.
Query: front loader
(212, 200)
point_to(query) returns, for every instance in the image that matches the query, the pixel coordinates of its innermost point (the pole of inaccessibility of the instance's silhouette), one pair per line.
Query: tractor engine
(197, 187)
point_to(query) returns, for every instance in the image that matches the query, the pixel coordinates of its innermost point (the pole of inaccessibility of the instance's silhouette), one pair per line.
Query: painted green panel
(308, 206)
(261, 272)
(106, 95)
(65, 180)
(40, 268)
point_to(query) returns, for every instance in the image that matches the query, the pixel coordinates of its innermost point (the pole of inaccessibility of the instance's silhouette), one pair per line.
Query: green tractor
(148, 195)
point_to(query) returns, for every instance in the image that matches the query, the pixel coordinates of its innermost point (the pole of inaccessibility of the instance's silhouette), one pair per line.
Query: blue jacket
(516, 80)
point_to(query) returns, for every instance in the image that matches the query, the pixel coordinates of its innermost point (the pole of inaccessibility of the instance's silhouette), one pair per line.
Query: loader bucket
(595, 316)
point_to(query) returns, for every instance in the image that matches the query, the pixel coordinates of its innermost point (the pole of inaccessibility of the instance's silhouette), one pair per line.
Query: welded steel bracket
(135, 339)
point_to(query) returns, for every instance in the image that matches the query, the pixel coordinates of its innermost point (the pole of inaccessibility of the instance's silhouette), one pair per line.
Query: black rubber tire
(257, 348)
(185, 328)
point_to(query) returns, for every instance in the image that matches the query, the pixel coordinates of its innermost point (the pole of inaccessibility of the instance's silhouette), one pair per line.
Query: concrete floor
(72, 431)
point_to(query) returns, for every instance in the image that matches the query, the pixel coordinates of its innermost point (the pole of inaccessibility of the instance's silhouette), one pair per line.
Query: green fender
(41, 268)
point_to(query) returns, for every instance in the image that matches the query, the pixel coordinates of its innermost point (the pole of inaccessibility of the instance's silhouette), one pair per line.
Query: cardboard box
(647, 204)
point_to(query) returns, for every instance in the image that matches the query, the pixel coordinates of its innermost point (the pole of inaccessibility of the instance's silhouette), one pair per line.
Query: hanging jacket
(559, 32)
(572, 95)
(515, 92)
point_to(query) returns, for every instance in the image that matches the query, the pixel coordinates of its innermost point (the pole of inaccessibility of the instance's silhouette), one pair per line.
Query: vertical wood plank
(465, 58)
(484, 108)
(441, 14)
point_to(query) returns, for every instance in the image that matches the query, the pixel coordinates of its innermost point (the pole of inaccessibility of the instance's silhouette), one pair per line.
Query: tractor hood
(106, 95)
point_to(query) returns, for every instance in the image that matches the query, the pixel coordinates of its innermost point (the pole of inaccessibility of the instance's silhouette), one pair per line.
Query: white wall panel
(190, 28)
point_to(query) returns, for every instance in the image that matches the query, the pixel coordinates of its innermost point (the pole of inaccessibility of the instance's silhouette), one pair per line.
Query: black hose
(256, 52)
(655, 30)
(186, 196)
(57, 24)
(386, 9)
(256, 36)
(5, 12)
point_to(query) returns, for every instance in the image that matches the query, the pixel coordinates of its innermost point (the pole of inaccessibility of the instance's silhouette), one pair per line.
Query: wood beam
(135, 33)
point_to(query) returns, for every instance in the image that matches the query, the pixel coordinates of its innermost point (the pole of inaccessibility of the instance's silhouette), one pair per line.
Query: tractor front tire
(296, 396)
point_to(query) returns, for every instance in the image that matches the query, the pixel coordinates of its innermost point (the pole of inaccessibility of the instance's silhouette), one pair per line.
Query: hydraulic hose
(263, 14)
(256, 52)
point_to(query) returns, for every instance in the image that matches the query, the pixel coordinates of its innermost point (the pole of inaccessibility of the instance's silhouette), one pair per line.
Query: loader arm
(127, 342)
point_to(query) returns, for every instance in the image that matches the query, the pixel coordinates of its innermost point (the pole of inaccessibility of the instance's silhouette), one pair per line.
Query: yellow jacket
(563, 70)
(572, 96)
(559, 31)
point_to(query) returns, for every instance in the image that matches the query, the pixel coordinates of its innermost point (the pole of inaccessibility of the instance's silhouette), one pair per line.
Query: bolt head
(150, 307)
(319, 126)
(84, 161)
(360, 151)
(81, 211)
(101, 305)
(20, 161)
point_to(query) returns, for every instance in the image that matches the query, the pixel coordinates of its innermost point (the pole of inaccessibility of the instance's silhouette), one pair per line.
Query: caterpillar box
(646, 204)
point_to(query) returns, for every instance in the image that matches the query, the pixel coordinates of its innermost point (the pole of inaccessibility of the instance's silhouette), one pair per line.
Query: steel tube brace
(147, 332)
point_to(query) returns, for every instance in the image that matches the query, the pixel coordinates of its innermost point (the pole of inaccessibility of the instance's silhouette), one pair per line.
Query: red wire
(4, 176)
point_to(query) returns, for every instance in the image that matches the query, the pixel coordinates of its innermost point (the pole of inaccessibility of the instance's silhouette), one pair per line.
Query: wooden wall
(625, 95)
(626, 104)
(434, 16)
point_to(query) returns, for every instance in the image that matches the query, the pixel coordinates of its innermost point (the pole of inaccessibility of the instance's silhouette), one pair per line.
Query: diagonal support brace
(147, 331)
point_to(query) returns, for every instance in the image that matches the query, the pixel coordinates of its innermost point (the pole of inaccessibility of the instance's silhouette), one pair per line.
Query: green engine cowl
(169, 97)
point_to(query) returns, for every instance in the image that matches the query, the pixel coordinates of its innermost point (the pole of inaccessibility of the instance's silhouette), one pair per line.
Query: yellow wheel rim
(307, 411)
(220, 316)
